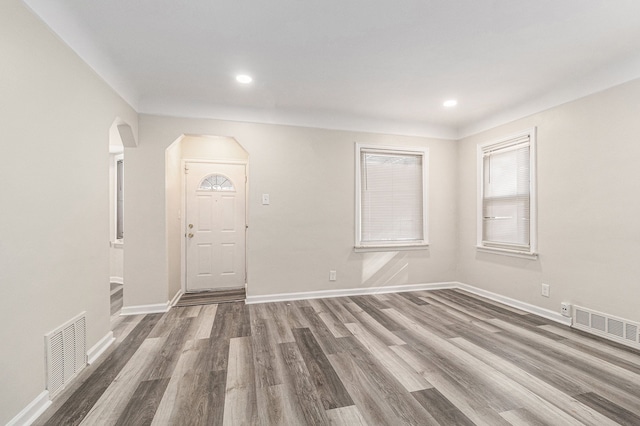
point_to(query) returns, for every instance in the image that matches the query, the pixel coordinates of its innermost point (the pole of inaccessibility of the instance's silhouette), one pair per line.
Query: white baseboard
(99, 348)
(176, 298)
(321, 294)
(116, 280)
(32, 411)
(627, 334)
(158, 308)
(151, 309)
(545, 313)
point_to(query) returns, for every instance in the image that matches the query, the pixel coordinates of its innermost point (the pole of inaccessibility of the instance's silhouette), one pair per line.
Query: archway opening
(116, 219)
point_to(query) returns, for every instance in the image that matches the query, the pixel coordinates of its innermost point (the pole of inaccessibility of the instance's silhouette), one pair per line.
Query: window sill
(117, 244)
(507, 252)
(400, 247)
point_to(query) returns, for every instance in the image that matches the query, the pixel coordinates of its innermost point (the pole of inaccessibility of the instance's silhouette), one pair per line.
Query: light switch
(265, 199)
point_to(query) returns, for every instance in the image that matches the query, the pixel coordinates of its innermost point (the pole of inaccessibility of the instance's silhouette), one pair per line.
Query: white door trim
(183, 223)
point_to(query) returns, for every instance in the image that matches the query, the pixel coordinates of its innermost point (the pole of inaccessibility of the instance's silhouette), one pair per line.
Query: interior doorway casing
(195, 148)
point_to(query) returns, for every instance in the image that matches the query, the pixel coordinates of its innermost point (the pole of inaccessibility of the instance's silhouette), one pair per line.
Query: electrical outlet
(332, 275)
(545, 290)
(565, 309)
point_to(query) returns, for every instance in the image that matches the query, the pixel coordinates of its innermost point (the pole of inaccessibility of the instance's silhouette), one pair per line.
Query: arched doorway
(120, 136)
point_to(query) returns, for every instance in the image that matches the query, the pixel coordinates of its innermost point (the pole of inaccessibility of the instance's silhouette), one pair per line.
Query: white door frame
(183, 217)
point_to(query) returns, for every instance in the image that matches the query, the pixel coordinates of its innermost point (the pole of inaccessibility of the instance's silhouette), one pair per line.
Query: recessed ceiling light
(244, 79)
(450, 103)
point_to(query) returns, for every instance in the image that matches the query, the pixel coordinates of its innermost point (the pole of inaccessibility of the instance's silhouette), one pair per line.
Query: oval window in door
(216, 183)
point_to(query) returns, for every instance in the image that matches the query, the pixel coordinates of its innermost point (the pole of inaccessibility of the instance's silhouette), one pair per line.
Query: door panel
(228, 214)
(205, 255)
(215, 232)
(227, 262)
(205, 213)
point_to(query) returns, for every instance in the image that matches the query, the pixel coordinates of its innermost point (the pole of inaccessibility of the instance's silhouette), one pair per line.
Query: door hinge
(186, 170)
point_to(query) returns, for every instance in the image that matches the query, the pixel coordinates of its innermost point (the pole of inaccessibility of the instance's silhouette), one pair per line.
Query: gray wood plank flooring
(212, 297)
(441, 357)
(116, 298)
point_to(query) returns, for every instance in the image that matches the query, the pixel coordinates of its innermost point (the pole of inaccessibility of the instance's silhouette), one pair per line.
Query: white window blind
(506, 194)
(391, 197)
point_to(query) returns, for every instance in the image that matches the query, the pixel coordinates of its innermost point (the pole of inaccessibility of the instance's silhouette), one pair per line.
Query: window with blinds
(390, 197)
(506, 194)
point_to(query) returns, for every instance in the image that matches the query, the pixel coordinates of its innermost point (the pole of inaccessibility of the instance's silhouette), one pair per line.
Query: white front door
(215, 225)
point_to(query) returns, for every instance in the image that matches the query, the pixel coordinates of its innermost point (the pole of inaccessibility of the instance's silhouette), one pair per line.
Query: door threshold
(211, 297)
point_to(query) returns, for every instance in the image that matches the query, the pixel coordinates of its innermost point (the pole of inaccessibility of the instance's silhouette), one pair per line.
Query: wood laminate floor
(212, 297)
(421, 358)
(116, 298)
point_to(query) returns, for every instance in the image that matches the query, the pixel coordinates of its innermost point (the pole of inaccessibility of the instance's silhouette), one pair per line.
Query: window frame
(530, 252)
(361, 246)
(117, 158)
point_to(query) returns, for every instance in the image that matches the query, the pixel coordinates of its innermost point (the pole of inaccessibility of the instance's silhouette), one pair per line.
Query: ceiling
(374, 65)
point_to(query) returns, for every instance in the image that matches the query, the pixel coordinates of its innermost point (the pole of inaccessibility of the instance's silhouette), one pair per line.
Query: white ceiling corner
(364, 65)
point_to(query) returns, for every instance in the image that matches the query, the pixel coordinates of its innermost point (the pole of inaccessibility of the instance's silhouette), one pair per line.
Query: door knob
(190, 235)
(190, 225)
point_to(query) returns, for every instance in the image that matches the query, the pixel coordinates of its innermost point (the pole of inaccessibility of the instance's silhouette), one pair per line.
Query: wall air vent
(65, 352)
(607, 326)
(582, 317)
(631, 331)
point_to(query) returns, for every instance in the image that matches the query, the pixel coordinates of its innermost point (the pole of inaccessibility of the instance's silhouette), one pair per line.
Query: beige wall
(307, 229)
(212, 147)
(55, 227)
(588, 208)
(54, 222)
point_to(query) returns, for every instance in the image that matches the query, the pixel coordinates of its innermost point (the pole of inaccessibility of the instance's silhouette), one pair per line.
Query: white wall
(588, 208)
(306, 230)
(54, 222)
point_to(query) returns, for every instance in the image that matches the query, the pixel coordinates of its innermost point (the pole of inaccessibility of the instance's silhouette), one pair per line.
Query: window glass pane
(216, 183)
(391, 197)
(506, 201)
